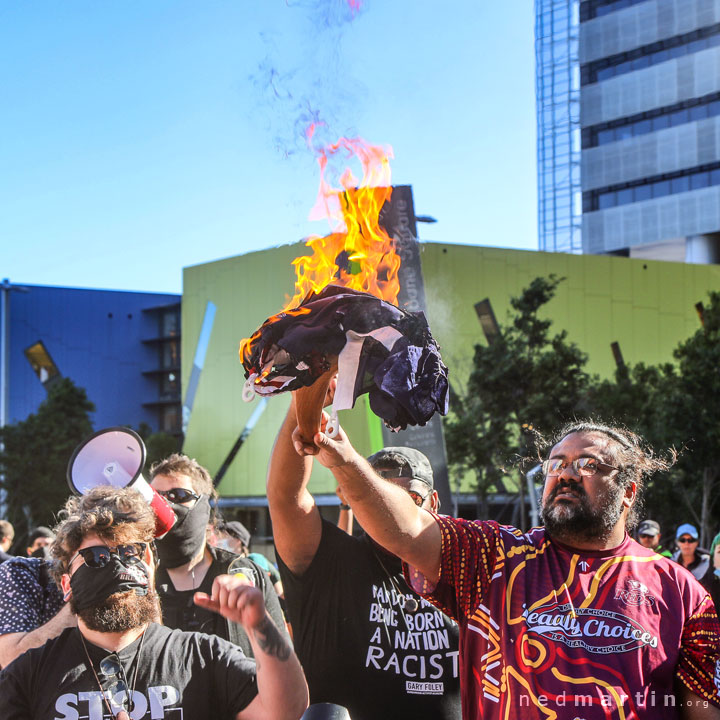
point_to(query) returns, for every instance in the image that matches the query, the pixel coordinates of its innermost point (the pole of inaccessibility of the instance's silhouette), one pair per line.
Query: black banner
(397, 217)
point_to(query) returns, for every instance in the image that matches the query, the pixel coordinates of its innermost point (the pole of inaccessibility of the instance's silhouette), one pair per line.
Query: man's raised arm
(296, 522)
(385, 510)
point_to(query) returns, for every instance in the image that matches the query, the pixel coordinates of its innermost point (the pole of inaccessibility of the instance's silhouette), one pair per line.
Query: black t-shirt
(180, 676)
(180, 611)
(358, 646)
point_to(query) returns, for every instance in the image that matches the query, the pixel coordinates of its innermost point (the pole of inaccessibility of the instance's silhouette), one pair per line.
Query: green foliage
(36, 455)
(530, 380)
(526, 380)
(158, 445)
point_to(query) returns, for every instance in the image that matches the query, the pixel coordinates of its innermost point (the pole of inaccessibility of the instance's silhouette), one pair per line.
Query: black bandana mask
(90, 586)
(184, 540)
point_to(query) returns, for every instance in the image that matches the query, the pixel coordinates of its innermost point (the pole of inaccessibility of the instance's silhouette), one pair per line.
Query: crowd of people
(417, 615)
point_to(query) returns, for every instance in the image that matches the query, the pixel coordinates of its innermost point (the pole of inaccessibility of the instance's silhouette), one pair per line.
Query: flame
(358, 253)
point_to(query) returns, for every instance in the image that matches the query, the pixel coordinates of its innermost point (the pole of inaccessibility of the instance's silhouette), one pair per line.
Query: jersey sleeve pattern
(699, 666)
(470, 553)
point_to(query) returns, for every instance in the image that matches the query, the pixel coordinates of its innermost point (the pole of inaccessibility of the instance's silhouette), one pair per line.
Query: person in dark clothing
(367, 641)
(711, 579)
(188, 563)
(40, 537)
(118, 661)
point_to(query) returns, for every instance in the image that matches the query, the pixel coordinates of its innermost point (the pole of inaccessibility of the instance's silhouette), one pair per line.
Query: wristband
(344, 507)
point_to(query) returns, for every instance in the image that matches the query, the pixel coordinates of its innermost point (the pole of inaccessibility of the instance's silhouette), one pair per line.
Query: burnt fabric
(389, 353)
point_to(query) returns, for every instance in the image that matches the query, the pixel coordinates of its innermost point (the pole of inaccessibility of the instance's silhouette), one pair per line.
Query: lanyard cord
(131, 704)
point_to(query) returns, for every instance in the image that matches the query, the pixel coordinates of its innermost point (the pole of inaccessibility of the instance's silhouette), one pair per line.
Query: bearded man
(118, 660)
(573, 620)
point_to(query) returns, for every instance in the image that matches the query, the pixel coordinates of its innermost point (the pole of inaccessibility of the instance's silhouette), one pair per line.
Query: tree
(36, 454)
(676, 405)
(527, 380)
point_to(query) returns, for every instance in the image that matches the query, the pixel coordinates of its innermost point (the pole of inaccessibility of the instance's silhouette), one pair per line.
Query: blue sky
(138, 138)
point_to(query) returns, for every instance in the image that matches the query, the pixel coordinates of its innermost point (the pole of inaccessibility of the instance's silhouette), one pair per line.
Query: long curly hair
(115, 515)
(635, 459)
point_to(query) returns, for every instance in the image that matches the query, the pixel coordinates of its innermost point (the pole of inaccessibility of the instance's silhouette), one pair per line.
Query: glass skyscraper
(558, 125)
(649, 116)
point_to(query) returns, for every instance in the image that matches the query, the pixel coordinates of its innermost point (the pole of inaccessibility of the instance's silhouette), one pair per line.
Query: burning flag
(343, 317)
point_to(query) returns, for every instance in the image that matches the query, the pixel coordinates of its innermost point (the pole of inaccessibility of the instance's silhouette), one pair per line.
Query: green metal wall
(646, 306)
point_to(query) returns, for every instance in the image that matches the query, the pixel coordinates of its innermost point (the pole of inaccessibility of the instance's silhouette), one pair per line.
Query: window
(41, 362)
(170, 354)
(170, 419)
(661, 188)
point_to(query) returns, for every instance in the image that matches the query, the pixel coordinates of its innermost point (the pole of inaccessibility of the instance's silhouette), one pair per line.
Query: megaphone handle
(164, 516)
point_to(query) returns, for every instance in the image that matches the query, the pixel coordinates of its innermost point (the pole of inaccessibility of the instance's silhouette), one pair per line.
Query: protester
(649, 535)
(188, 563)
(571, 620)
(234, 536)
(688, 554)
(7, 535)
(366, 641)
(31, 607)
(711, 579)
(119, 659)
(39, 538)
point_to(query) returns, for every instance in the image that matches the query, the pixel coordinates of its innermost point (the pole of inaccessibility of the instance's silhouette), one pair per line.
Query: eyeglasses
(687, 540)
(112, 670)
(99, 556)
(179, 496)
(417, 498)
(583, 466)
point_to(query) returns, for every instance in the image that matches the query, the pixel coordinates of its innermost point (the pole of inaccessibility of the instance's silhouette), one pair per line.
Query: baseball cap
(687, 529)
(648, 527)
(392, 462)
(238, 531)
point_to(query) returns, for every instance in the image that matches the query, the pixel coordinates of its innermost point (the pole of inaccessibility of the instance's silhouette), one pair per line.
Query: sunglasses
(112, 671)
(584, 466)
(179, 496)
(417, 498)
(687, 540)
(99, 556)
(647, 537)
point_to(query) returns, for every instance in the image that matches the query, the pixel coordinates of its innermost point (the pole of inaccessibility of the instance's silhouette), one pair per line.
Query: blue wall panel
(95, 338)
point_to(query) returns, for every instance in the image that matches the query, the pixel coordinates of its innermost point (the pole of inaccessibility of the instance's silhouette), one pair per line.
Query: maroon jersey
(547, 631)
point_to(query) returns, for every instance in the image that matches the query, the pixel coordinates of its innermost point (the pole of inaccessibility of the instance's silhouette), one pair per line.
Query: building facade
(123, 348)
(557, 92)
(649, 73)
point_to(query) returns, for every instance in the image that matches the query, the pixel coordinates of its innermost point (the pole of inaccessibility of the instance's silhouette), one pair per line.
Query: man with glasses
(688, 553)
(188, 563)
(118, 662)
(365, 639)
(570, 620)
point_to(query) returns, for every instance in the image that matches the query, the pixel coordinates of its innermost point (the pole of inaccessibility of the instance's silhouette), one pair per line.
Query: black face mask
(90, 586)
(184, 540)
(42, 553)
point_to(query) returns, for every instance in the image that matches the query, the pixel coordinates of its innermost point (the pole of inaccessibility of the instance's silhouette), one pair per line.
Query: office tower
(649, 109)
(558, 125)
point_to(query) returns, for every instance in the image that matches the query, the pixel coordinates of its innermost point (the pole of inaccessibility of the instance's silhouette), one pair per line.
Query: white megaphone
(116, 456)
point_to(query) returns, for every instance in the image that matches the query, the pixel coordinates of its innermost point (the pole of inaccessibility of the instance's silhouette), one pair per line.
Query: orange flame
(358, 253)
